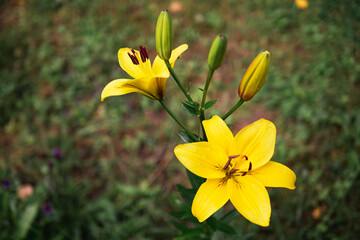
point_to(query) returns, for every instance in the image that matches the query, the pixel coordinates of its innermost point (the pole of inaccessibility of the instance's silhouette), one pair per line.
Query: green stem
(177, 120)
(237, 105)
(187, 95)
(203, 101)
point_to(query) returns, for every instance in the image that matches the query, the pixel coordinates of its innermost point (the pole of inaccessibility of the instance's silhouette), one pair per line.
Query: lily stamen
(143, 54)
(133, 58)
(250, 166)
(233, 171)
(229, 161)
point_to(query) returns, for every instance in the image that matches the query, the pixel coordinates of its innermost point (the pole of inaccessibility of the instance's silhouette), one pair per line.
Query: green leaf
(187, 194)
(223, 227)
(181, 227)
(189, 234)
(26, 219)
(209, 104)
(212, 222)
(185, 136)
(195, 180)
(229, 216)
(192, 107)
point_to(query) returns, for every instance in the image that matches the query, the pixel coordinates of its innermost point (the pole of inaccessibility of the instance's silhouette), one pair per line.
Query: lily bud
(217, 52)
(255, 76)
(164, 35)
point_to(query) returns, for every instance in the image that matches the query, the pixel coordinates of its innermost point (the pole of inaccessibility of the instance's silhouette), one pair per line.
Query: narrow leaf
(185, 136)
(195, 180)
(187, 194)
(26, 219)
(190, 234)
(226, 228)
(191, 107)
(209, 104)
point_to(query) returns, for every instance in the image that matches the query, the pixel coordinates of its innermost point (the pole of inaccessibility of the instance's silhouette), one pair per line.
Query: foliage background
(117, 176)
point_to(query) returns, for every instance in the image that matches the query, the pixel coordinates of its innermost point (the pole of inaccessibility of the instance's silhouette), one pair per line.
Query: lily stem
(237, 105)
(177, 120)
(171, 70)
(202, 107)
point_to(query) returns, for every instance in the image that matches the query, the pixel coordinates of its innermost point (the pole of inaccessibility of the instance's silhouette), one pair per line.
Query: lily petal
(217, 132)
(257, 142)
(124, 86)
(136, 71)
(202, 158)
(250, 198)
(210, 197)
(159, 68)
(274, 174)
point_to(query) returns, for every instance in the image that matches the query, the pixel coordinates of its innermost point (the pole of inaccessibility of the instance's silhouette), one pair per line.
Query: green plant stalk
(203, 101)
(237, 105)
(171, 70)
(177, 120)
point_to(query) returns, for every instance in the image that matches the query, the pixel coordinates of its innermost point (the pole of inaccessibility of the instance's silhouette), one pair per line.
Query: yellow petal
(136, 71)
(175, 54)
(257, 142)
(251, 199)
(124, 86)
(159, 68)
(202, 158)
(210, 197)
(275, 174)
(217, 132)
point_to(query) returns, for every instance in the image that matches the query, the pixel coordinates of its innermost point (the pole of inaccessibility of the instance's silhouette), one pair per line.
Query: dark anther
(250, 166)
(133, 59)
(243, 174)
(143, 54)
(133, 51)
(143, 59)
(228, 162)
(232, 171)
(246, 158)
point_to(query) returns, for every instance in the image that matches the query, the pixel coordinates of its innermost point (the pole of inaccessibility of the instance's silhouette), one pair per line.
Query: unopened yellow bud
(255, 76)
(217, 52)
(164, 35)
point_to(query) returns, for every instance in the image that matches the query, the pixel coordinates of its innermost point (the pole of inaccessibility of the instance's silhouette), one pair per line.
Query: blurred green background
(75, 168)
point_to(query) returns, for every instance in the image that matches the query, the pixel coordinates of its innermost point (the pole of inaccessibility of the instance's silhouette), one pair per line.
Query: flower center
(234, 168)
(134, 55)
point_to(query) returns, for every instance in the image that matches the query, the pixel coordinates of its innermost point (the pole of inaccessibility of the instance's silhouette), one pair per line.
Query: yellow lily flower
(148, 80)
(236, 168)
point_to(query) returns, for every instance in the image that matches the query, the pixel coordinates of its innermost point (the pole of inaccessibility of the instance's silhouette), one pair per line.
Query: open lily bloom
(236, 168)
(148, 80)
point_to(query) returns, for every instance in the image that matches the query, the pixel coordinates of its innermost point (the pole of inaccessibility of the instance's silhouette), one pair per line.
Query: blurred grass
(118, 170)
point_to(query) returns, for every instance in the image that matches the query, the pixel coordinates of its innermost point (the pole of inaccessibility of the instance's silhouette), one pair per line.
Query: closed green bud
(255, 76)
(217, 52)
(164, 35)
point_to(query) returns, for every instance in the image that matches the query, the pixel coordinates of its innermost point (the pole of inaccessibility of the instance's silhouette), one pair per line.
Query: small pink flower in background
(176, 7)
(25, 191)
